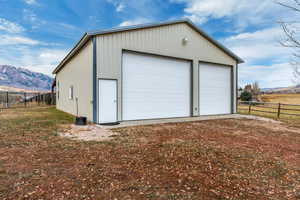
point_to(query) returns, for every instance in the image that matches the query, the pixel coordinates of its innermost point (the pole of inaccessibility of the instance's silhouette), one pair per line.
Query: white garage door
(155, 87)
(215, 89)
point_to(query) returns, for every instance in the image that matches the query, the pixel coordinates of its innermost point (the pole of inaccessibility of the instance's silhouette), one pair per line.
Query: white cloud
(139, 8)
(258, 45)
(241, 12)
(52, 55)
(120, 7)
(262, 47)
(10, 27)
(42, 60)
(268, 76)
(28, 15)
(32, 18)
(134, 22)
(68, 26)
(196, 19)
(30, 2)
(264, 34)
(17, 40)
(45, 60)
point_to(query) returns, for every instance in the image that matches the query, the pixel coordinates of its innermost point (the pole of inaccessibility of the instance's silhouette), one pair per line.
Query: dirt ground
(217, 159)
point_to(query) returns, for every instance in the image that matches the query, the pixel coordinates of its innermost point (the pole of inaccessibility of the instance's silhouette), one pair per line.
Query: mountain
(14, 77)
(283, 90)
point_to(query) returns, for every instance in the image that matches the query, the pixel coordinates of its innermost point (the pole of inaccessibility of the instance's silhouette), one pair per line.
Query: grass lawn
(220, 159)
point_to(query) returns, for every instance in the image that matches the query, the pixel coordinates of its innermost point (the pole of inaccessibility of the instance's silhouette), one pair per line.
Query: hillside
(282, 90)
(20, 78)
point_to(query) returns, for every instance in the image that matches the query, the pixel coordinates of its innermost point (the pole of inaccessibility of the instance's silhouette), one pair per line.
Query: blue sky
(37, 34)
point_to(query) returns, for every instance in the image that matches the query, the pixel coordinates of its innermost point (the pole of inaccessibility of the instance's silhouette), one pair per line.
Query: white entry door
(215, 89)
(155, 87)
(107, 101)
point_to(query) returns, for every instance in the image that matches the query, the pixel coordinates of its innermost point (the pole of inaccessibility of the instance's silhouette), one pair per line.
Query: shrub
(246, 96)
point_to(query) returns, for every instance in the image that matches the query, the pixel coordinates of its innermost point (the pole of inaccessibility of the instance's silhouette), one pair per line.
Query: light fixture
(185, 40)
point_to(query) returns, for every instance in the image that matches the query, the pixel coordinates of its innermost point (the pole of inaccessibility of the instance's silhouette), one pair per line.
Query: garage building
(164, 70)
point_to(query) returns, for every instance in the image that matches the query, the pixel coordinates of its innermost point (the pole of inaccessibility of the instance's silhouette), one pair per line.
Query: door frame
(98, 101)
(232, 99)
(161, 56)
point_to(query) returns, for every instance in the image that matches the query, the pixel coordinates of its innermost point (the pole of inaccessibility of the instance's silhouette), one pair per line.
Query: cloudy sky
(37, 34)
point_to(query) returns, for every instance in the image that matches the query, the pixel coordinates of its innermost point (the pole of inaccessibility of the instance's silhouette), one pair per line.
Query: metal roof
(86, 36)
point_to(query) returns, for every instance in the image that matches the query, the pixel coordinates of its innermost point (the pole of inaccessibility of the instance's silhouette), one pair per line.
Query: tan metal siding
(164, 40)
(77, 73)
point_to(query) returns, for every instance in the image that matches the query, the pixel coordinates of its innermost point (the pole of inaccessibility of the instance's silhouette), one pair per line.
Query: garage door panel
(214, 89)
(155, 87)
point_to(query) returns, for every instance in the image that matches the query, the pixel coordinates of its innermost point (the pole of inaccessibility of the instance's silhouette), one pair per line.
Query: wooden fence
(276, 109)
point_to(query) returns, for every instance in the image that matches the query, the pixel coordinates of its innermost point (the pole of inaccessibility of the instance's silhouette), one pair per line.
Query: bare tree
(255, 88)
(291, 30)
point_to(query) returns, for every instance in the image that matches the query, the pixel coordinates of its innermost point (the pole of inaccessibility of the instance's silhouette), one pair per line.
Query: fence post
(38, 98)
(6, 99)
(52, 98)
(25, 99)
(249, 107)
(278, 112)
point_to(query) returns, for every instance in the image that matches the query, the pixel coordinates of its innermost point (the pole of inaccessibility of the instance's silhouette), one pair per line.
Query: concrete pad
(184, 119)
(88, 133)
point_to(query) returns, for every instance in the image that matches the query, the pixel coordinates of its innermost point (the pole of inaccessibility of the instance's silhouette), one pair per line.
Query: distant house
(163, 70)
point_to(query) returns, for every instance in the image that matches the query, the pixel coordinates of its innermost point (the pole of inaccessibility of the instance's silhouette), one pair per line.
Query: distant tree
(292, 35)
(248, 88)
(296, 73)
(246, 96)
(255, 88)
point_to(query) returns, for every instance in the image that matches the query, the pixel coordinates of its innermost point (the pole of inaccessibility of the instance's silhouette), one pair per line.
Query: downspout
(236, 87)
(95, 100)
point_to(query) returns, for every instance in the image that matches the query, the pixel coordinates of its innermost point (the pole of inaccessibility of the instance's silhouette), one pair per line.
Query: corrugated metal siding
(164, 40)
(77, 73)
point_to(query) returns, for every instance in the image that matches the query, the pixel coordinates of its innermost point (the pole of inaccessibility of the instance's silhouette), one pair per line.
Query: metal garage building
(151, 71)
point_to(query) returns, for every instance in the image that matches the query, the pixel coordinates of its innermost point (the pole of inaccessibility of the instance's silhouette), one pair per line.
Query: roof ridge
(89, 34)
(137, 26)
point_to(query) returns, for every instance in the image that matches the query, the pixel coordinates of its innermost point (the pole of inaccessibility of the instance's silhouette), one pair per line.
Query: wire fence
(25, 99)
(274, 109)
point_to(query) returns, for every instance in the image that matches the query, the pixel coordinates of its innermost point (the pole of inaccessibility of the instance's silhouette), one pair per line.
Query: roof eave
(134, 27)
(221, 46)
(79, 44)
(151, 25)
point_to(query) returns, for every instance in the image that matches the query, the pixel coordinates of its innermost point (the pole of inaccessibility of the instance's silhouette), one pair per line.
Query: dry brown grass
(277, 98)
(281, 98)
(220, 159)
